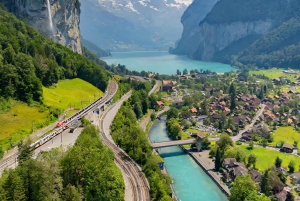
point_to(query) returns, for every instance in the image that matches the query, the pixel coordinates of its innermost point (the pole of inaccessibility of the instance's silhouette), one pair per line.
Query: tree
(153, 116)
(25, 152)
(14, 188)
(252, 160)
(291, 166)
(218, 160)
(185, 72)
(232, 93)
(278, 162)
(224, 142)
(295, 143)
(265, 184)
(251, 145)
(243, 186)
(253, 196)
(70, 193)
(172, 113)
(178, 72)
(137, 108)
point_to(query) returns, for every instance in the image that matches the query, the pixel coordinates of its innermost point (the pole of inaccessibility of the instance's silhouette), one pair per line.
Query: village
(259, 115)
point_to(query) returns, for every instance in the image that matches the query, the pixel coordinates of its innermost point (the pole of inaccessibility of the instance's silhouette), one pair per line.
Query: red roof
(193, 110)
(159, 103)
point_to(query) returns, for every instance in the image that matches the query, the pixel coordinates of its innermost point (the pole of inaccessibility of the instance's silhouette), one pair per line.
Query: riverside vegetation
(133, 140)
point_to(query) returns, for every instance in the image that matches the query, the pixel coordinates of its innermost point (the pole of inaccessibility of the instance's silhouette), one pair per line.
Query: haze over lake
(162, 62)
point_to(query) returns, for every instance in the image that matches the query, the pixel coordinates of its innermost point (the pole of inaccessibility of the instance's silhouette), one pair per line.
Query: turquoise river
(162, 62)
(191, 183)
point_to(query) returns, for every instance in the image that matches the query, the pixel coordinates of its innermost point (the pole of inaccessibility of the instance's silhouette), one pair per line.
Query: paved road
(136, 184)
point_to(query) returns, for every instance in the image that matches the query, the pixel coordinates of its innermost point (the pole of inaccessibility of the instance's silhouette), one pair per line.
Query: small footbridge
(198, 141)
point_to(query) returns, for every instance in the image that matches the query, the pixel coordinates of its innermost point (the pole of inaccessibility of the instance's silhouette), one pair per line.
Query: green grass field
(286, 134)
(17, 123)
(275, 73)
(266, 157)
(75, 92)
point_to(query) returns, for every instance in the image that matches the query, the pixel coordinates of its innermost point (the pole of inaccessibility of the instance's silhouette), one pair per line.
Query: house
(168, 85)
(193, 110)
(159, 103)
(247, 136)
(232, 168)
(276, 81)
(255, 176)
(281, 196)
(296, 176)
(226, 110)
(288, 148)
(229, 131)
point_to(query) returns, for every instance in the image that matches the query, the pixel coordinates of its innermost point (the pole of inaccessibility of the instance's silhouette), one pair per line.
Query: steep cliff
(65, 15)
(190, 20)
(231, 26)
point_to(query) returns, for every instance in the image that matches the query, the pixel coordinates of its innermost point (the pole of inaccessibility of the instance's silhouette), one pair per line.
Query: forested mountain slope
(28, 60)
(244, 33)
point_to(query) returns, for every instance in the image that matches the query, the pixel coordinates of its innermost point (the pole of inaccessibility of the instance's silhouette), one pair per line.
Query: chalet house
(276, 81)
(287, 148)
(261, 128)
(226, 110)
(215, 117)
(168, 85)
(231, 169)
(247, 136)
(255, 176)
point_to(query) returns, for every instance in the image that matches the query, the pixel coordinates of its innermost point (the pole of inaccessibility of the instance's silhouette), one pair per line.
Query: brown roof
(288, 146)
(200, 135)
(255, 175)
(295, 175)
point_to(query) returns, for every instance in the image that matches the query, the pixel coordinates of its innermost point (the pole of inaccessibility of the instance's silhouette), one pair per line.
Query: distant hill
(94, 48)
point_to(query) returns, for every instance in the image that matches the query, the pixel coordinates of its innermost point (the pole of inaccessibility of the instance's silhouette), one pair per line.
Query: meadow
(286, 134)
(275, 73)
(74, 93)
(21, 119)
(266, 157)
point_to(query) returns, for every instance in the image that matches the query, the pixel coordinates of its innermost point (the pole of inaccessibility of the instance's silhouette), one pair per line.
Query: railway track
(112, 89)
(138, 182)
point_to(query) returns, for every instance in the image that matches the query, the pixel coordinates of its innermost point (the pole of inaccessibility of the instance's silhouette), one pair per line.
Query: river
(162, 62)
(191, 183)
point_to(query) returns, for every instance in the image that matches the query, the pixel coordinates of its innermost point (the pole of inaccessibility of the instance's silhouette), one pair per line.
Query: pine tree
(218, 160)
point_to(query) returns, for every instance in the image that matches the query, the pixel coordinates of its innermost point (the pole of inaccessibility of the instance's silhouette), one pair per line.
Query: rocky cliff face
(190, 20)
(65, 15)
(214, 30)
(213, 38)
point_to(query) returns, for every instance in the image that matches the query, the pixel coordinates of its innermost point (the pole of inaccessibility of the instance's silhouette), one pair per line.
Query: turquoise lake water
(162, 62)
(191, 183)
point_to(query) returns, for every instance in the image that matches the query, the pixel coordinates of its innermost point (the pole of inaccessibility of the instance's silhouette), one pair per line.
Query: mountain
(65, 15)
(94, 48)
(132, 24)
(243, 32)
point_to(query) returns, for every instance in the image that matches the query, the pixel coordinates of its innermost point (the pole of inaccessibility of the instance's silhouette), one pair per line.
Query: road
(10, 160)
(136, 184)
(157, 85)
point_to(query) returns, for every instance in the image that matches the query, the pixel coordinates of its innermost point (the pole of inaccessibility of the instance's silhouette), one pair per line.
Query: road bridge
(172, 143)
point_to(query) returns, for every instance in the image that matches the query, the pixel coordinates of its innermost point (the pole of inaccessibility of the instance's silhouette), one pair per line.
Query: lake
(162, 62)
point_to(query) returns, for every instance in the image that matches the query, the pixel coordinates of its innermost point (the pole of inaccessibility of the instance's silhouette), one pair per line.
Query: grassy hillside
(16, 124)
(75, 93)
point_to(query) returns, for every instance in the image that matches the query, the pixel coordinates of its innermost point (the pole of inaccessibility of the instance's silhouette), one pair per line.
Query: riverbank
(208, 167)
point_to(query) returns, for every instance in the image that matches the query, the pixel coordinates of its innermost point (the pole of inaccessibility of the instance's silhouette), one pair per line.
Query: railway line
(65, 124)
(138, 182)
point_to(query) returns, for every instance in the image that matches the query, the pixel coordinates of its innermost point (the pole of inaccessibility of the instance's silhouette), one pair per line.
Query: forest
(86, 171)
(28, 60)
